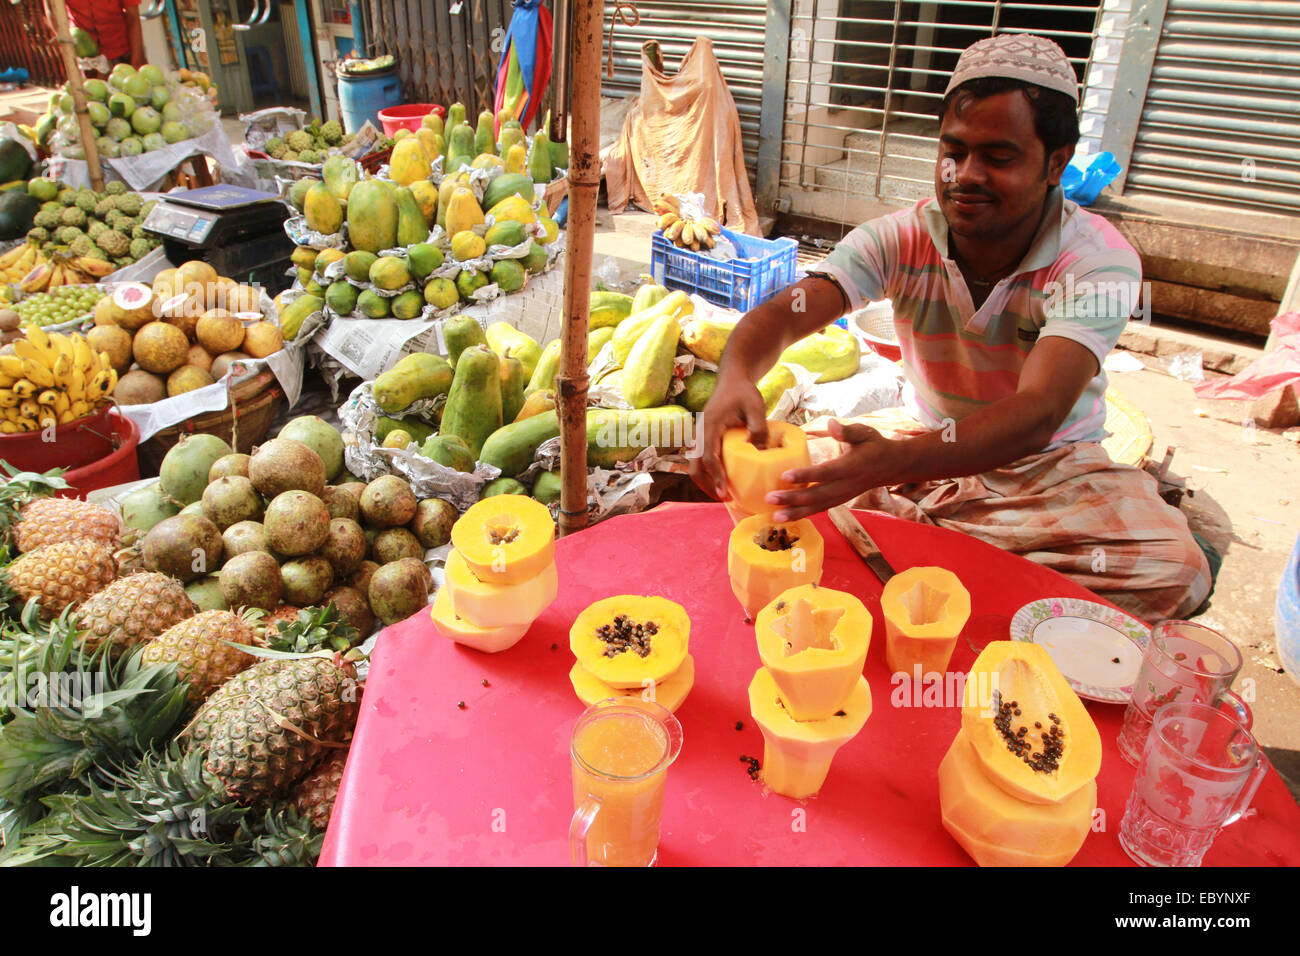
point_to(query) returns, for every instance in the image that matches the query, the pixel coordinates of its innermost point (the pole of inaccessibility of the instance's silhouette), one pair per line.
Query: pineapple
(269, 725)
(54, 520)
(197, 647)
(133, 610)
(315, 793)
(61, 575)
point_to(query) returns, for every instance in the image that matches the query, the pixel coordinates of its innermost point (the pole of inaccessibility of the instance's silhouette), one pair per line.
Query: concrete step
(868, 141)
(856, 176)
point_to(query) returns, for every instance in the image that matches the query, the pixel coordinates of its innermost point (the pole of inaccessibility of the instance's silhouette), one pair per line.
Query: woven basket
(242, 425)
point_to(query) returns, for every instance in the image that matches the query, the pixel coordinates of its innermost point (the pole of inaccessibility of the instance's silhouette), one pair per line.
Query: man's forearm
(766, 330)
(996, 435)
(134, 35)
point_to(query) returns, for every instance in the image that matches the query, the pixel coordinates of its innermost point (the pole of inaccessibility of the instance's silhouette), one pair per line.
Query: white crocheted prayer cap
(1018, 56)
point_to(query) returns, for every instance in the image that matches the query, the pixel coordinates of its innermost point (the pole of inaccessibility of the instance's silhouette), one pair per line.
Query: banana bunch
(19, 261)
(52, 273)
(51, 379)
(694, 234)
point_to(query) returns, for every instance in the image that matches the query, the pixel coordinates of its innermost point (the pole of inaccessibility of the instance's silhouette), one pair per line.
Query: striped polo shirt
(1080, 280)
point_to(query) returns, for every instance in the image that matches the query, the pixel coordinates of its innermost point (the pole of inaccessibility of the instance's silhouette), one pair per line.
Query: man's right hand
(735, 403)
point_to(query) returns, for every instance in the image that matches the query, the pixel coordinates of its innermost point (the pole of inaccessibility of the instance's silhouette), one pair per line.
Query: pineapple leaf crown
(315, 628)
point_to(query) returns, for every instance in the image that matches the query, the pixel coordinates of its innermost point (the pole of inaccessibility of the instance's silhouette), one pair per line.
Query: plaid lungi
(1101, 524)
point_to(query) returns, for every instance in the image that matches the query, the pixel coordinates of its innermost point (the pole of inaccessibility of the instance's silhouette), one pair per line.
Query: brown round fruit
(296, 522)
(306, 580)
(432, 522)
(138, 387)
(187, 547)
(160, 348)
(103, 314)
(394, 544)
(228, 465)
(399, 590)
(353, 607)
(199, 357)
(342, 504)
(164, 284)
(262, 339)
(387, 502)
(345, 548)
(114, 340)
(251, 579)
(231, 500)
(9, 320)
(283, 464)
(218, 331)
(186, 379)
(242, 537)
(361, 579)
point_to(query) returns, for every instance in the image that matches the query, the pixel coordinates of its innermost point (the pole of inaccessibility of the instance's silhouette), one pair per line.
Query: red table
(430, 783)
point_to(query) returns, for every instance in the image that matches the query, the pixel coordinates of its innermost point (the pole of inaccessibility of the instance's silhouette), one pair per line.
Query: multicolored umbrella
(525, 63)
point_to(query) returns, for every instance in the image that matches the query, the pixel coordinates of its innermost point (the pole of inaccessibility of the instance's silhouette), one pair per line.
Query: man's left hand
(868, 462)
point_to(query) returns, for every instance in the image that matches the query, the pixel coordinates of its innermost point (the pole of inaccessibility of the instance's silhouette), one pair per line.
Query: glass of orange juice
(621, 751)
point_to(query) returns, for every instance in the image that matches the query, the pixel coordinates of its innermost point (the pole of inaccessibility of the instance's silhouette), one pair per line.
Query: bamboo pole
(560, 79)
(584, 180)
(62, 31)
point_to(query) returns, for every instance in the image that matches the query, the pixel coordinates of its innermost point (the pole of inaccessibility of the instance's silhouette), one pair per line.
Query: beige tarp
(683, 136)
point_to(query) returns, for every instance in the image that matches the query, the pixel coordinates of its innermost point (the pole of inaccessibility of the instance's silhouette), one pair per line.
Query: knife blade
(851, 528)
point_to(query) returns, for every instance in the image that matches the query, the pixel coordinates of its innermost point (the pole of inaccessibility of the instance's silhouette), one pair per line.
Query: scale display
(190, 226)
(216, 215)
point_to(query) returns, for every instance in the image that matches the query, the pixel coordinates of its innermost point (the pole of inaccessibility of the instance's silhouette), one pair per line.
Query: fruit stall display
(133, 112)
(420, 242)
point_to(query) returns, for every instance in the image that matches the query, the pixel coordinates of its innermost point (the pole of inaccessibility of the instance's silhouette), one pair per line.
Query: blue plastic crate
(767, 268)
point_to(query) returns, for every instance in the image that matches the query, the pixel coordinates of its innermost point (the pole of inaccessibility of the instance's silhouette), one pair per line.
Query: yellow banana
(39, 374)
(38, 279)
(47, 396)
(112, 380)
(62, 369)
(28, 259)
(103, 362)
(710, 226)
(79, 410)
(9, 428)
(77, 384)
(93, 267)
(8, 398)
(37, 336)
(11, 366)
(28, 408)
(56, 276)
(98, 386)
(82, 357)
(62, 404)
(675, 230)
(13, 255)
(7, 381)
(24, 388)
(667, 219)
(688, 233)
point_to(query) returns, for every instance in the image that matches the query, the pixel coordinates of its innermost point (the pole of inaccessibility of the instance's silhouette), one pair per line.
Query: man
(1007, 298)
(115, 25)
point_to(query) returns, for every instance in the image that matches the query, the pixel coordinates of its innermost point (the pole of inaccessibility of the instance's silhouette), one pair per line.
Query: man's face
(991, 175)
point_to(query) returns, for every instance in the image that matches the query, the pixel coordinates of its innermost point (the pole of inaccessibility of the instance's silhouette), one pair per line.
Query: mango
(648, 371)
(416, 376)
(547, 367)
(340, 174)
(508, 274)
(473, 409)
(411, 227)
(304, 257)
(485, 134)
(470, 281)
(832, 354)
(559, 155)
(647, 295)
(502, 486)
(293, 315)
(551, 227)
(322, 209)
(373, 305)
(325, 257)
(342, 297)
(450, 451)
(513, 384)
(460, 332)
(357, 265)
(513, 207)
(505, 232)
(505, 339)
(372, 216)
(463, 211)
(445, 189)
(408, 162)
(389, 273)
(298, 193)
(422, 258)
(441, 293)
(513, 447)
(408, 305)
(547, 486)
(467, 245)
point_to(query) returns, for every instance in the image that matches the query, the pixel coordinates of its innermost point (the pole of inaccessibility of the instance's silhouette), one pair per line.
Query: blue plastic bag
(1084, 186)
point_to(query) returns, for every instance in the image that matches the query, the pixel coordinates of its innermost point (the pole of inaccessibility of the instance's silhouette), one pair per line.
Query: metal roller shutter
(737, 30)
(1222, 113)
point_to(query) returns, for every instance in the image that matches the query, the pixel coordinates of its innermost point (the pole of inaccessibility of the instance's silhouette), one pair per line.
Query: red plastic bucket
(75, 444)
(407, 116)
(116, 468)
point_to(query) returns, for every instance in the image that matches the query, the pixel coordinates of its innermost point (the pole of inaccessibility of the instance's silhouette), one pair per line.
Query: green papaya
(596, 340)
(647, 295)
(547, 486)
(608, 309)
(547, 367)
(648, 371)
(513, 447)
(415, 377)
(539, 158)
(460, 148)
(373, 305)
(503, 338)
(699, 389)
(506, 185)
(484, 135)
(502, 486)
(418, 430)
(411, 227)
(295, 313)
(340, 174)
(778, 380)
(445, 189)
(473, 409)
(298, 192)
(455, 114)
(357, 265)
(536, 258)
(459, 332)
(508, 274)
(372, 216)
(342, 297)
(450, 451)
(617, 435)
(559, 155)
(509, 136)
(630, 329)
(832, 354)
(513, 384)
(507, 232)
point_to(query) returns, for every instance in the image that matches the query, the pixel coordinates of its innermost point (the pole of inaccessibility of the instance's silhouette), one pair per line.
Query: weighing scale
(238, 231)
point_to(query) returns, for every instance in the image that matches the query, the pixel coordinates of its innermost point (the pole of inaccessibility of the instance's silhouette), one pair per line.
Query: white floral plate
(1097, 648)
